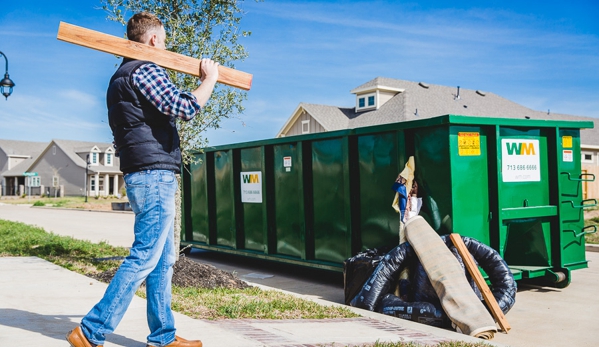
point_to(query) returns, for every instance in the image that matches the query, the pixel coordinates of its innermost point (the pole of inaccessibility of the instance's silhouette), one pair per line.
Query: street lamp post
(86, 176)
(6, 84)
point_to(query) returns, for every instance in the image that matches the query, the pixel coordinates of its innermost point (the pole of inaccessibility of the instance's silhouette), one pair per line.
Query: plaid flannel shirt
(153, 83)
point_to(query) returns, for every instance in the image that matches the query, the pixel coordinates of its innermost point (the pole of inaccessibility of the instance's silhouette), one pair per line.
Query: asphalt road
(542, 316)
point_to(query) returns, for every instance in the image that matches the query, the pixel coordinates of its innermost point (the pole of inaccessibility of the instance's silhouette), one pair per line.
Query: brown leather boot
(181, 342)
(77, 339)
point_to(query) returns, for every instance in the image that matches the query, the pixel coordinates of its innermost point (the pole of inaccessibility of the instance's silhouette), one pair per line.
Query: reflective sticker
(567, 142)
(468, 143)
(567, 155)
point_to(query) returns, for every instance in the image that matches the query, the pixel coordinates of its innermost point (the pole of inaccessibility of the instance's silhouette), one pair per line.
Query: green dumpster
(318, 199)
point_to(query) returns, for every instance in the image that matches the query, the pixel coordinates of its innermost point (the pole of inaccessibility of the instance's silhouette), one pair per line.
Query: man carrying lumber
(143, 105)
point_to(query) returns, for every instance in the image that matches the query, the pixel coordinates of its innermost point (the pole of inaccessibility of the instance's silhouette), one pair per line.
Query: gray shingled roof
(330, 117)
(418, 102)
(71, 148)
(21, 148)
(14, 147)
(20, 168)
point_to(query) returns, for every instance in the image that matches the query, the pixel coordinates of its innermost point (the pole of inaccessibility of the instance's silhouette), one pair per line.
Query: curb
(591, 247)
(80, 209)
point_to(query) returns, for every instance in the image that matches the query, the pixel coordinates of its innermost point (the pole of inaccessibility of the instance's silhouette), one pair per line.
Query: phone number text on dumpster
(521, 167)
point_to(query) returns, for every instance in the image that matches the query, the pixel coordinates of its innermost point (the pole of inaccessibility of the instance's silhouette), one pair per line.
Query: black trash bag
(405, 289)
(358, 268)
(503, 285)
(381, 281)
(421, 312)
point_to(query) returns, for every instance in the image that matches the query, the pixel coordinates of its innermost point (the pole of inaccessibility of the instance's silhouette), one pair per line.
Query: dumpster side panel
(571, 203)
(433, 175)
(524, 196)
(224, 199)
(470, 181)
(379, 158)
(252, 213)
(288, 202)
(332, 239)
(199, 197)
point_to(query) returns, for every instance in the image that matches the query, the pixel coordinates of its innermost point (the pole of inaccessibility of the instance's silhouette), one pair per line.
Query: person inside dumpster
(143, 105)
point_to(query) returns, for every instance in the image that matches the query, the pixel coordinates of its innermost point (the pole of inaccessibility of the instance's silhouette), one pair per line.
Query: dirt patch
(189, 273)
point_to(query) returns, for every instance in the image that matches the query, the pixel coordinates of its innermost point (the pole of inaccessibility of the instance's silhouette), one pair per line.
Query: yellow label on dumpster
(567, 141)
(468, 143)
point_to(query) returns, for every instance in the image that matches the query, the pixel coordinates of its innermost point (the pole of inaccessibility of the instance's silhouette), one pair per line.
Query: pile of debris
(189, 273)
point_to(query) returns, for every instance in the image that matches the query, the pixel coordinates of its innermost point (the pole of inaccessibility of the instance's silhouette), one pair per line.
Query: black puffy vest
(145, 138)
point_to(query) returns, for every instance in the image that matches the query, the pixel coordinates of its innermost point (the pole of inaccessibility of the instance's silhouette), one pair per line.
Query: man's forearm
(203, 92)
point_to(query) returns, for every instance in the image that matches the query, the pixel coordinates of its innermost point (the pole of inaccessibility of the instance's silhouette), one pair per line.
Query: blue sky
(541, 54)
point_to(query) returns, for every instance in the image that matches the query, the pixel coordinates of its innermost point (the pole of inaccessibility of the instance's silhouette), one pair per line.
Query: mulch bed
(189, 273)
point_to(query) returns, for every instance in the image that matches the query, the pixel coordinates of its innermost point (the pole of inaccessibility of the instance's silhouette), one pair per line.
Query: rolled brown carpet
(460, 303)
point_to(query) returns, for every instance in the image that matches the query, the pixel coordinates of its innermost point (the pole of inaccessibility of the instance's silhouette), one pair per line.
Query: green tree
(196, 28)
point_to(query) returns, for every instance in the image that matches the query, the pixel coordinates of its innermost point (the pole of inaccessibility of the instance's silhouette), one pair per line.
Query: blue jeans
(152, 256)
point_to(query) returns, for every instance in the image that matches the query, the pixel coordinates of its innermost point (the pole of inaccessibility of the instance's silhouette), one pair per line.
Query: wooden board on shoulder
(135, 50)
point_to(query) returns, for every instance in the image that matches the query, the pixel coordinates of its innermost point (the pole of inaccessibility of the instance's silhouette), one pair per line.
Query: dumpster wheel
(562, 278)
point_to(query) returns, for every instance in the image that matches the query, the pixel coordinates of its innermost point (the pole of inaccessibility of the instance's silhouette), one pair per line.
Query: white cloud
(79, 98)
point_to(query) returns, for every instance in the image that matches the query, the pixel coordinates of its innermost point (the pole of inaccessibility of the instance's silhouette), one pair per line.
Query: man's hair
(140, 24)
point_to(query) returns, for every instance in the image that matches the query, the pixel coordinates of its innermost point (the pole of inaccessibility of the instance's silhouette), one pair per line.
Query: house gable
(13, 153)
(299, 121)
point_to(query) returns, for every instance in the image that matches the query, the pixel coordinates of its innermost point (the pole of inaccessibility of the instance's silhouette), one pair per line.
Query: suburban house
(65, 167)
(15, 157)
(386, 100)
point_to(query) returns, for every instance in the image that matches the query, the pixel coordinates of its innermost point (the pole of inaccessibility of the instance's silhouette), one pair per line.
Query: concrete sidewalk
(40, 302)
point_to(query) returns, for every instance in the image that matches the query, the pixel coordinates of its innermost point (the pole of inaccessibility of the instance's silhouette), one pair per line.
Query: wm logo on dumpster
(520, 148)
(251, 178)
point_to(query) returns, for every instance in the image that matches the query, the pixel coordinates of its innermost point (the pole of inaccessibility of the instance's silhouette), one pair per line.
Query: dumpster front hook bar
(582, 203)
(584, 231)
(580, 178)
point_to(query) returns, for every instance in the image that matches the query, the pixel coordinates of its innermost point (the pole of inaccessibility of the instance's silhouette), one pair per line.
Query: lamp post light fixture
(6, 84)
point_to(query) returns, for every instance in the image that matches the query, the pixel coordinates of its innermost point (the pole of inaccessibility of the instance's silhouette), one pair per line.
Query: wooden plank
(135, 50)
(480, 282)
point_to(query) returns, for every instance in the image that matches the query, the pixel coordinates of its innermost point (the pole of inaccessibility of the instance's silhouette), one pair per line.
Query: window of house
(34, 181)
(305, 127)
(108, 159)
(371, 100)
(94, 159)
(92, 185)
(587, 157)
(367, 101)
(54, 150)
(55, 181)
